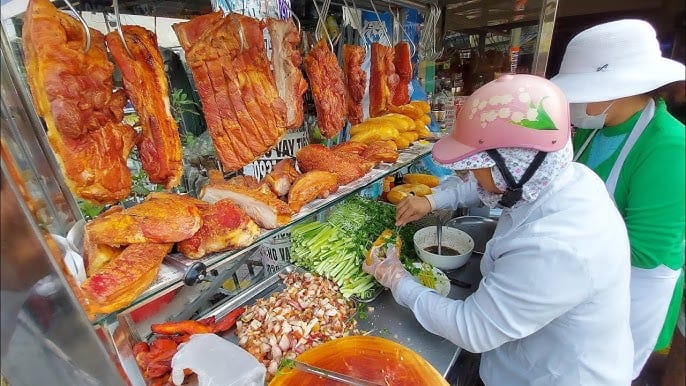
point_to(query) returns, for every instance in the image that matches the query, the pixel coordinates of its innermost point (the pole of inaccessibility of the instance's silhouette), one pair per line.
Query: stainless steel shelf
(170, 277)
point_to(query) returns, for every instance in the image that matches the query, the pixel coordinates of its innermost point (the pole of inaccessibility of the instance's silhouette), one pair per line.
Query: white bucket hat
(615, 60)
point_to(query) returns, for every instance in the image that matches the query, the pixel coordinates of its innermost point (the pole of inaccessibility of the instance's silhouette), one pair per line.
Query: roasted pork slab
(224, 226)
(161, 218)
(242, 108)
(311, 185)
(355, 81)
(328, 88)
(286, 61)
(402, 62)
(124, 278)
(72, 92)
(346, 166)
(145, 83)
(265, 209)
(382, 79)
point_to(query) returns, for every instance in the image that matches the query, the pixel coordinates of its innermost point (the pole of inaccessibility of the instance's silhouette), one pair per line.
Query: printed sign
(289, 145)
(375, 30)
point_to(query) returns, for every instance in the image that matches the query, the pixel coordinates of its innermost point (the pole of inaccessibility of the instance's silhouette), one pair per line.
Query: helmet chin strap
(514, 189)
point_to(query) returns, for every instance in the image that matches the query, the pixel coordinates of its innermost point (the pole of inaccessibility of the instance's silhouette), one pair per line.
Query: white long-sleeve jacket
(552, 307)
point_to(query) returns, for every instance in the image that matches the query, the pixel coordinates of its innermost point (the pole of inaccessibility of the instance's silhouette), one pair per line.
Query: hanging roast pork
(145, 82)
(72, 92)
(244, 113)
(328, 88)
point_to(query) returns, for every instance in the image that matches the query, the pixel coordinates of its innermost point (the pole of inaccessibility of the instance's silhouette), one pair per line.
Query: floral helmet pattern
(523, 111)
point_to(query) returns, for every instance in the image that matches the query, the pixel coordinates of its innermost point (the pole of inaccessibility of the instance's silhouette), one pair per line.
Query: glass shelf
(170, 277)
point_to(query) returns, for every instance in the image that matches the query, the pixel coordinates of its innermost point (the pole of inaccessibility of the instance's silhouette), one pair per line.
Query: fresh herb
(89, 210)
(362, 311)
(180, 104)
(384, 332)
(285, 364)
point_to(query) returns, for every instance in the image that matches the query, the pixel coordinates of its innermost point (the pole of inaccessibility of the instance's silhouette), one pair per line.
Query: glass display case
(38, 207)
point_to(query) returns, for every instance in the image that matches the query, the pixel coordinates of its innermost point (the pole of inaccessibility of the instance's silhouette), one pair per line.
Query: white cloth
(646, 305)
(553, 305)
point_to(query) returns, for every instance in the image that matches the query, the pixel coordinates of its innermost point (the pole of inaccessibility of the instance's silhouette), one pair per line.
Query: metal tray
(262, 289)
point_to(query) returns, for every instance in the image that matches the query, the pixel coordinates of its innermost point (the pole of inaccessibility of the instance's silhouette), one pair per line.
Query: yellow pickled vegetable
(424, 133)
(408, 109)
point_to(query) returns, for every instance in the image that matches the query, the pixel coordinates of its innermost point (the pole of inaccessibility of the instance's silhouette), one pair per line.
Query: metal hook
(293, 15)
(83, 22)
(413, 47)
(321, 24)
(385, 31)
(115, 4)
(241, 34)
(359, 27)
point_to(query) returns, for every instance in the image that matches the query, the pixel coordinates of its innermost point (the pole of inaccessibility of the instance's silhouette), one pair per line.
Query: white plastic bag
(217, 362)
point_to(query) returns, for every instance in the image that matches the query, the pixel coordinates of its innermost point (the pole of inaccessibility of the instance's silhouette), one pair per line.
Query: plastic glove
(411, 208)
(217, 362)
(387, 270)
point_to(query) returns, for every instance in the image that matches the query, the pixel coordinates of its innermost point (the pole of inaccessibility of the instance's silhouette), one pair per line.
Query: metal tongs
(328, 374)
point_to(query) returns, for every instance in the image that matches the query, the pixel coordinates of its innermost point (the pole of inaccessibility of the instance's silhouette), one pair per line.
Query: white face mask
(581, 120)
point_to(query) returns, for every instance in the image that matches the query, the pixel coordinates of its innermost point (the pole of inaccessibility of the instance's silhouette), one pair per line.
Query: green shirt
(649, 194)
(650, 189)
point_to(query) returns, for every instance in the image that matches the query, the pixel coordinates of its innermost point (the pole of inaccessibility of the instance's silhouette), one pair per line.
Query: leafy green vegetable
(90, 210)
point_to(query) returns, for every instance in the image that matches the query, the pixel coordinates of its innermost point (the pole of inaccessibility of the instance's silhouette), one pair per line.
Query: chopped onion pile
(309, 311)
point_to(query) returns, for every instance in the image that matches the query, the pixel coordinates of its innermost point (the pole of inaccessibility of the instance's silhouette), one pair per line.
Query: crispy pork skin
(72, 92)
(124, 278)
(244, 113)
(382, 79)
(346, 166)
(355, 81)
(328, 88)
(224, 226)
(286, 61)
(311, 185)
(146, 85)
(265, 209)
(402, 62)
(161, 218)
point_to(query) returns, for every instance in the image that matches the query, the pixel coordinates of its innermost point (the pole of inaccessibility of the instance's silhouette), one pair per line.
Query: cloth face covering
(517, 161)
(581, 120)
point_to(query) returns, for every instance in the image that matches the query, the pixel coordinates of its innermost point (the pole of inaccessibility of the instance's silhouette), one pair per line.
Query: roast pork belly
(286, 61)
(265, 209)
(161, 218)
(328, 88)
(382, 79)
(355, 81)
(311, 185)
(346, 166)
(381, 151)
(224, 226)
(279, 180)
(72, 91)
(146, 84)
(244, 113)
(402, 62)
(124, 278)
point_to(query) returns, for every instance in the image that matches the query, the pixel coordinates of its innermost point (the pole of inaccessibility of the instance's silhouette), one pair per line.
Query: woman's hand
(411, 208)
(386, 269)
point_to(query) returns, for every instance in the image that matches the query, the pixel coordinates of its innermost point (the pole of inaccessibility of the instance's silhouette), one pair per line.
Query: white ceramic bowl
(452, 238)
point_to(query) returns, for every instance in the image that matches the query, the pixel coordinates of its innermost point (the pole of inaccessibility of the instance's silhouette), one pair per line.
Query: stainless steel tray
(262, 289)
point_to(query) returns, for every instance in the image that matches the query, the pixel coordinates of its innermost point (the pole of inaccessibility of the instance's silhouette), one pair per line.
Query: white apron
(651, 289)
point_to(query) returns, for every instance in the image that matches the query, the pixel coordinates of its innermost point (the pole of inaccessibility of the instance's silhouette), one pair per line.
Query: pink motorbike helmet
(524, 111)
